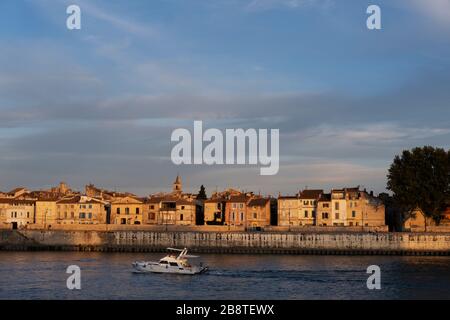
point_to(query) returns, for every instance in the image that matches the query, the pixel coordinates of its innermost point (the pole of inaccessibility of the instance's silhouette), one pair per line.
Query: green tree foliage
(202, 194)
(420, 178)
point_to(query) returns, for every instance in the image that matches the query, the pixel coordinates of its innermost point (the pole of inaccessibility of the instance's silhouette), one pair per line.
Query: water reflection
(41, 275)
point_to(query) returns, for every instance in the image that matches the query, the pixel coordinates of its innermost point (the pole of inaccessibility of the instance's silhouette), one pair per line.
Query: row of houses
(63, 206)
(341, 207)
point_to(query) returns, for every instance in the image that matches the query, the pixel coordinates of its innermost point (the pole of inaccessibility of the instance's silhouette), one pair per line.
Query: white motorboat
(181, 263)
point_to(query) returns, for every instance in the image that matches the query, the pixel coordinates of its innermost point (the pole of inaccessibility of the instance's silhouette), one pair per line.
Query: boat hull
(152, 267)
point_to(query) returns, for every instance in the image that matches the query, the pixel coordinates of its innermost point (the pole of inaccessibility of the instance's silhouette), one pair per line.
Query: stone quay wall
(382, 243)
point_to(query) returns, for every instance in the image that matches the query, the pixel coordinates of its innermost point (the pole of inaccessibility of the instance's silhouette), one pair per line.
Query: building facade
(308, 200)
(81, 210)
(288, 211)
(127, 210)
(16, 213)
(258, 213)
(323, 216)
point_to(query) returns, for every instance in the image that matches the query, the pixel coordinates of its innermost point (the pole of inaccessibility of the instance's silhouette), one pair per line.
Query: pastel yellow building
(215, 211)
(81, 210)
(46, 212)
(288, 211)
(323, 216)
(127, 210)
(16, 213)
(308, 199)
(353, 207)
(171, 210)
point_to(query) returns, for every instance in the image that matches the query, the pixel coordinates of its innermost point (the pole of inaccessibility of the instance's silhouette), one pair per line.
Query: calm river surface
(41, 275)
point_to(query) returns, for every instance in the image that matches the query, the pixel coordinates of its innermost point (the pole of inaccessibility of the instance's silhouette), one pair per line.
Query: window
(137, 210)
(326, 205)
(234, 205)
(241, 205)
(242, 216)
(72, 215)
(313, 213)
(182, 207)
(118, 210)
(305, 203)
(152, 207)
(151, 216)
(90, 206)
(173, 264)
(336, 215)
(163, 262)
(306, 213)
(82, 215)
(324, 215)
(127, 210)
(353, 213)
(336, 206)
(90, 215)
(65, 215)
(255, 215)
(28, 215)
(181, 217)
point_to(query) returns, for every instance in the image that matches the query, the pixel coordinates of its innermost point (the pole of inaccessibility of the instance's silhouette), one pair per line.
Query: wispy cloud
(437, 10)
(118, 20)
(261, 5)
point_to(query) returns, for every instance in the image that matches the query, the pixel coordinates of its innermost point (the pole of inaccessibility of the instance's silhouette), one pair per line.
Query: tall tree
(202, 193)
(420, 178)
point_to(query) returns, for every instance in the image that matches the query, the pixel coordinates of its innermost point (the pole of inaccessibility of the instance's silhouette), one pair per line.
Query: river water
(42, 275)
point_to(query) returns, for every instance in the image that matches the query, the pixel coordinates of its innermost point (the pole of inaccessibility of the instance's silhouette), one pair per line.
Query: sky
(98, 105)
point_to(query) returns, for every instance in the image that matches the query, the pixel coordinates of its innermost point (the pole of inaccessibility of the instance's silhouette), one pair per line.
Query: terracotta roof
(325, 197)
(123, 200)
(215, 200)
(9, 200)
(185, 202)
(258, 202)
(72, 200)
(158, 199)
(13, 191)
(311, 194)
(238, 198)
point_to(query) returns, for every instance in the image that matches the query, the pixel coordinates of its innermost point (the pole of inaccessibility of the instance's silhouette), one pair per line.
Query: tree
(420, 178)
(202, 194)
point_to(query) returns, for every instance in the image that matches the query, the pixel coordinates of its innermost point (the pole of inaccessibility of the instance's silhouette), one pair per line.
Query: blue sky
(99, 104)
